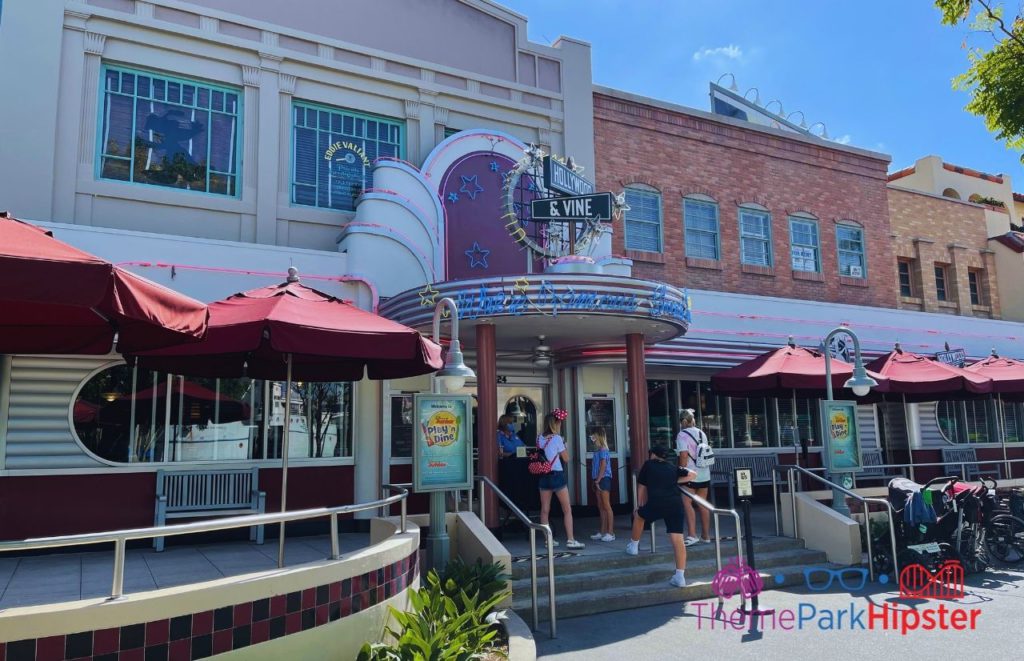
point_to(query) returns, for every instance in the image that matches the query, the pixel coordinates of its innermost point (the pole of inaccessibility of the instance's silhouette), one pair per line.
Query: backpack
(705, 453)
(539, 464)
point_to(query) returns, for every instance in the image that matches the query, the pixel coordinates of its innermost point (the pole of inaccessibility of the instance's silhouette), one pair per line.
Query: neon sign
(554, 299)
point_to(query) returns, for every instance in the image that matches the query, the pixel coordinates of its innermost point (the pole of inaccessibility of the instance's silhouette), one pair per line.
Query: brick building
(987, 196)
(727, 205)
(943, 262)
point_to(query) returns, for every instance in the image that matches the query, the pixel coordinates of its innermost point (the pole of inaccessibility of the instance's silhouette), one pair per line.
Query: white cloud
(732, 52)
(844, 139)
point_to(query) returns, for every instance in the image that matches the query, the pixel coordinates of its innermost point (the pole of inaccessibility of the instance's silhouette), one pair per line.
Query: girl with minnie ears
(555, 482)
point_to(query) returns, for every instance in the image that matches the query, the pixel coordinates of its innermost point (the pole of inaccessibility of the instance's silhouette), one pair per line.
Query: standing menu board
(442, 447)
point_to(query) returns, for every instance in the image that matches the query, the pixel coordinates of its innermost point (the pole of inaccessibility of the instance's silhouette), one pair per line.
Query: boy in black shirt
(659, 492)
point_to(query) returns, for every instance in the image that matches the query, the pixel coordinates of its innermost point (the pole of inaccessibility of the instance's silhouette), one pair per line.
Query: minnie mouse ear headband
(560, 414)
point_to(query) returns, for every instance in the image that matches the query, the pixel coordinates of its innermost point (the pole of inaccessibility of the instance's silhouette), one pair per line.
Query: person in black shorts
(658, 491)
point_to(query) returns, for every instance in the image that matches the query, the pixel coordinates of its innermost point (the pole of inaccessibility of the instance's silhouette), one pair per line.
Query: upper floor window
(974, 281)
(700, 220)
(805, 249)
(904, 268)
(941, 292)
(643, 220)
(172, 132)
(850, 246)
(334, 151)
(755, 237)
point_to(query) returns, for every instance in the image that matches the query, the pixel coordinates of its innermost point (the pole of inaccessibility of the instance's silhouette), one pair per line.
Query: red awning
(920, 377)
(59, 299)
(782, 371)
(251, 333)
(1007, 374)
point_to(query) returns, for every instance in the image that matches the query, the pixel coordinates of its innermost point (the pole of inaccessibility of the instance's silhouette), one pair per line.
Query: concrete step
(618, 558)
(646, 574)
(628, 598)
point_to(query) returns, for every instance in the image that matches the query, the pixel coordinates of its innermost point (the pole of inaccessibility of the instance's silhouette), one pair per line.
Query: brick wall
(928, 230)
(682, 153)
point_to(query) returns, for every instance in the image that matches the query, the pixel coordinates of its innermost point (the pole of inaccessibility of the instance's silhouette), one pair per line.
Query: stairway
(604, 582)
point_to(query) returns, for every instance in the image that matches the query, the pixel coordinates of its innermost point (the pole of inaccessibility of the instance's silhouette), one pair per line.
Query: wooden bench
(954, 458)
(761, 465)
(195, 494)
(872, 460)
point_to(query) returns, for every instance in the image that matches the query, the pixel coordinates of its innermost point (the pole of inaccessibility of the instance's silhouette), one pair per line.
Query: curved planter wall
(321, 610)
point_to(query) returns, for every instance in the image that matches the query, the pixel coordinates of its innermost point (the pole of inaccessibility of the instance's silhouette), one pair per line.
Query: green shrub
(476, 580)
(444, 622)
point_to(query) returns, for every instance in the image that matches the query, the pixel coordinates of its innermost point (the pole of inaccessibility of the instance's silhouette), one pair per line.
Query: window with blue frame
(850, 246)
(171, 132)
(643, 220)
(755, 237)
(700, 222)
(334, 151)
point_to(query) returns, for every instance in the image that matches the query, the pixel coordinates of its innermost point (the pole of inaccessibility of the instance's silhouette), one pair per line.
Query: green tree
(995, 77)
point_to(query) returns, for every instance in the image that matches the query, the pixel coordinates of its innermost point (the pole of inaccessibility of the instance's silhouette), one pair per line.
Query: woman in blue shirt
(508, 439)
(601, 476)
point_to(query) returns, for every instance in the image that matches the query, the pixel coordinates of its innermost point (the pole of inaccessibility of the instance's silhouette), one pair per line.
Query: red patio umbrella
(59, 299)
(290, 331)
(921, 378)
(1007, 376)
(781, 371)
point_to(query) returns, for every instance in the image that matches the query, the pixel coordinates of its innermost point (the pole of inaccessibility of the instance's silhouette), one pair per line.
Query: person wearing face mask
(508, 439)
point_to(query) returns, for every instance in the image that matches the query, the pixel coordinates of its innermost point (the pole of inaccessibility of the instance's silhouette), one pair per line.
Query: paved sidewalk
(40, 579)
(677, 631)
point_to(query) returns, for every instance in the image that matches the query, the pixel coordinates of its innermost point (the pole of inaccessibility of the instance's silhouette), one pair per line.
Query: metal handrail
(533, 527)
(864, 500)
(636, 504)
(120, 538)
(716, 512)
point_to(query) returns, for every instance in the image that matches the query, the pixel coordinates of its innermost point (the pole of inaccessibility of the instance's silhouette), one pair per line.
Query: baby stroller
(934, 523)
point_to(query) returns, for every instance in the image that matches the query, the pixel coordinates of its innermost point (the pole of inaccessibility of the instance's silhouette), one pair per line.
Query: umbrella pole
(1001, 422)
(796, 431)
(910, 441)
(284, 458)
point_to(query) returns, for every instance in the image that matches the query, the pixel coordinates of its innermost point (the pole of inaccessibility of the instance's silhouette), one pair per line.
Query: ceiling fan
(541, 355)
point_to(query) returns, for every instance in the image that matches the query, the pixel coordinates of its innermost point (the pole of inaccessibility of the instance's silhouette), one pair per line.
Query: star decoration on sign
(619, 205)
(453, 197)
(521, 285)
(477, 256)
(428, 296)
(470, 186)
(494, 166)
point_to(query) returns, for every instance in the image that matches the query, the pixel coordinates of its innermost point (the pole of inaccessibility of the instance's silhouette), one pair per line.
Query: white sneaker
(573, 544)
(608, 537)
(705, 541)
(678, 581)
(690, 541)
(597, 536)
(633, 548)
(554, 543)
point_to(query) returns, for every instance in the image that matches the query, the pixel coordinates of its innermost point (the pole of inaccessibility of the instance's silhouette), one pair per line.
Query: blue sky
(877, 72)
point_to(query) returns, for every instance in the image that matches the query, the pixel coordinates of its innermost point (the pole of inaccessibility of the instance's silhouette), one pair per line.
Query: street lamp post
(861, 384)
(449, 378)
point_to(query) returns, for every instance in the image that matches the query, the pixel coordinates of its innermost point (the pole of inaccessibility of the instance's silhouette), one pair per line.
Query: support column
(636, 375)
(487, 414)
(268, 120)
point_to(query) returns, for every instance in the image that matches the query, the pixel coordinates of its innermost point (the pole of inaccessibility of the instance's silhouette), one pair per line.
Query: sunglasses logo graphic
(819, 579)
